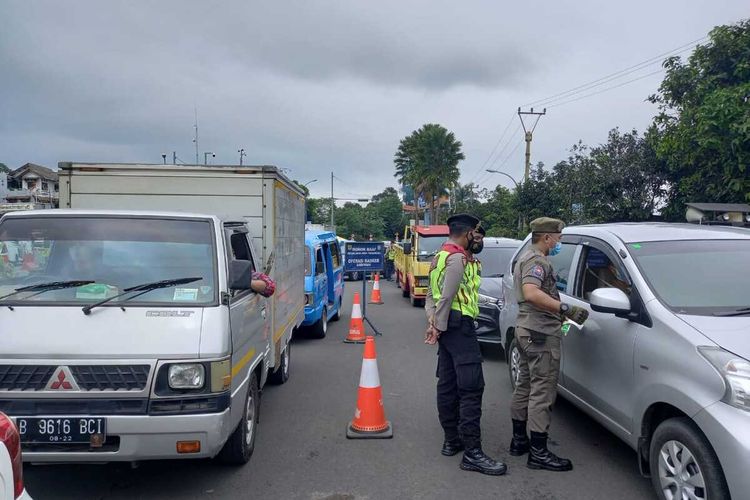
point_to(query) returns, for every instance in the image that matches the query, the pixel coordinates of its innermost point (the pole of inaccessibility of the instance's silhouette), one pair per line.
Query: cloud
(317, 86)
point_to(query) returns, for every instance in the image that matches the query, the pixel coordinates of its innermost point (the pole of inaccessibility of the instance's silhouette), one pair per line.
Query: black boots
(519, 445)
(451, 447)
(475, 460)
(541, 458)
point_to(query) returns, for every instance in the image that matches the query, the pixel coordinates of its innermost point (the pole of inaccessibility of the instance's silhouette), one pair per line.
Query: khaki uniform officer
(540, 317)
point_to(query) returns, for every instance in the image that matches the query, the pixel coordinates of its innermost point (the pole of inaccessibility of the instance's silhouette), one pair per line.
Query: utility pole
(195, 140)
(174, 157)
(528, 133)
(242, 153)
(332, 203)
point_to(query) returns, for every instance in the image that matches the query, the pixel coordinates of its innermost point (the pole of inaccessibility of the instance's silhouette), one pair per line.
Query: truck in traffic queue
(130, 329)
(414, 255)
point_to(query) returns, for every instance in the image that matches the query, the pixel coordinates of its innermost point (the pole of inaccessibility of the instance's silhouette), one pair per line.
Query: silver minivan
(663, 360)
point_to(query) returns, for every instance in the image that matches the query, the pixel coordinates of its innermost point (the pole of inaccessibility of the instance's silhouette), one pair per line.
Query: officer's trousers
(460, 382)
(536, 388)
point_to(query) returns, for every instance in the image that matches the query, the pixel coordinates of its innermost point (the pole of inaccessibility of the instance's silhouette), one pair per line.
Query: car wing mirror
(610, 300)
(407, 248)
(240, 274)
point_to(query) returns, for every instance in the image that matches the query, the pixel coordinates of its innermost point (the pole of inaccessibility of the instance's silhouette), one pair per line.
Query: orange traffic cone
(375, 296)
(369, 417)
(356, 325)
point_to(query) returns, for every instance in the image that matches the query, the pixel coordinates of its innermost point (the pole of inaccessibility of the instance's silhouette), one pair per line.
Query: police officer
(540, 316)
(452, 306)
(389, 258)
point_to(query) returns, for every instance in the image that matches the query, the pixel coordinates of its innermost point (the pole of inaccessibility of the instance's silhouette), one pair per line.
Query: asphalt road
(302, 453)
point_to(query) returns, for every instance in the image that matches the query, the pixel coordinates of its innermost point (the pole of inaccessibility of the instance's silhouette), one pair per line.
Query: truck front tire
(241, 443)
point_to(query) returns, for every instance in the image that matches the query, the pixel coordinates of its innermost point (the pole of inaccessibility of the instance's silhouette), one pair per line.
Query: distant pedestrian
(452, 308)
(540, 316)
(390, 256)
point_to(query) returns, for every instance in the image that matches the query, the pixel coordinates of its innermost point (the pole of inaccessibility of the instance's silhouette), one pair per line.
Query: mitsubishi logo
(62, 380)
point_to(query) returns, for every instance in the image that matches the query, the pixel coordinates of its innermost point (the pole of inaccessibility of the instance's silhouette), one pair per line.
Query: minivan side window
(598, 270)
(320, 265)
(335, 254)
(561, 264)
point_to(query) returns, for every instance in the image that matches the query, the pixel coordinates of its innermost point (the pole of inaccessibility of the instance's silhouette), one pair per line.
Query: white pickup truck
(129, 329)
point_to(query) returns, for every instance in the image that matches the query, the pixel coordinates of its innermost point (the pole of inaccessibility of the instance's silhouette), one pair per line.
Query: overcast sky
(321, 86)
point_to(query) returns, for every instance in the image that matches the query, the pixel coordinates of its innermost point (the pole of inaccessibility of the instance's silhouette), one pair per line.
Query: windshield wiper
(143, 288)
(45, 287)
(737, 312)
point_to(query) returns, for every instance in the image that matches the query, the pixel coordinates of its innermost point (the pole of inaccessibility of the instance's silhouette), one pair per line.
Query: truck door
(247, 309)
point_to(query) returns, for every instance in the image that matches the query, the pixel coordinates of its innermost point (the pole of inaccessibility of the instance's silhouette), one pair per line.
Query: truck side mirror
(240, 274)
(407, 248)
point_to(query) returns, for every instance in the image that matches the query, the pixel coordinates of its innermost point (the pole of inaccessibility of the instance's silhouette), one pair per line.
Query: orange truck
(413, 258)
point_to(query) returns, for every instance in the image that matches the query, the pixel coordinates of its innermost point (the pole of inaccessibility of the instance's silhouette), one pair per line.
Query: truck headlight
(186, 376)
(736, 373)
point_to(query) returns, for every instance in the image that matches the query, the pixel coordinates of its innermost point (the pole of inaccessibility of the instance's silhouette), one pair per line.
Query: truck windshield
(428, 246)
(113, 253)
(697, 277)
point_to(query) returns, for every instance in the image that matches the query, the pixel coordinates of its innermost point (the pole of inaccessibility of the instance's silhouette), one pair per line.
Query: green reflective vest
(466, 301)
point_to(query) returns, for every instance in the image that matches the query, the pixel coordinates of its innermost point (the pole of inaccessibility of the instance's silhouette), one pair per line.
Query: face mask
(555, 249)
(476, 247)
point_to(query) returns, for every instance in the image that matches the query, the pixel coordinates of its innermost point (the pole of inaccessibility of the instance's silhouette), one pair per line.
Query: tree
(4, 168)
(388, 207)
(319, 210)
(354, 219)
(302, 187)
(427, 160)
(702, 133)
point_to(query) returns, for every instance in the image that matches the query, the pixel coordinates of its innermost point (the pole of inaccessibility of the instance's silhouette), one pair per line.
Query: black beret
(463, 220)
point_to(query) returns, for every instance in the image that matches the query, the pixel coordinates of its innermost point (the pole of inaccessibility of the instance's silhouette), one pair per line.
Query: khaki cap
(547, 225)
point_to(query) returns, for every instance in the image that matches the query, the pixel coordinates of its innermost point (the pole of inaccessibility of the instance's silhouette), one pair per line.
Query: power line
(505, 148)
(502, 136)
(480, 173)
(661, 70)
(616, 75)
(504, 162)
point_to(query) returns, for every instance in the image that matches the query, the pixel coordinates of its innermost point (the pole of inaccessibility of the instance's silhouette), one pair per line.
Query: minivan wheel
(683, 464)
(514, 362)
(281, 375)
(240, 446)
(320, 328)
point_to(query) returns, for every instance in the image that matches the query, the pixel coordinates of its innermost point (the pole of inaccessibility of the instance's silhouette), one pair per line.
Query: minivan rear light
(12, 440)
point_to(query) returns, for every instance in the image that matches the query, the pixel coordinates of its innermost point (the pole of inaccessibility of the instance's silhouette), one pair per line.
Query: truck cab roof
(67, 212)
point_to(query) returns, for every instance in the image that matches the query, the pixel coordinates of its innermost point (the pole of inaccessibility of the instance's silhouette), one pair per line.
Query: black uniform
(460, 381)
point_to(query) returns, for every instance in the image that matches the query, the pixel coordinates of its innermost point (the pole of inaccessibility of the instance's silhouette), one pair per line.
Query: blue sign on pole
(364, 256)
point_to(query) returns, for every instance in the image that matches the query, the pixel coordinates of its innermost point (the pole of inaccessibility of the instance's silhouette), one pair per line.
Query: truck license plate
(61, 429)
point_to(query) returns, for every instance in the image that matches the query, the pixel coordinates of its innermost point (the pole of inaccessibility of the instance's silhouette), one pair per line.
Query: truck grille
(88, 377)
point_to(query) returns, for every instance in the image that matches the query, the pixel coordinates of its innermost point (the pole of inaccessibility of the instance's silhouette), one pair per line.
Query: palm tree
(427, 160)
